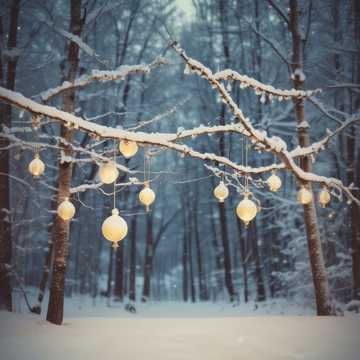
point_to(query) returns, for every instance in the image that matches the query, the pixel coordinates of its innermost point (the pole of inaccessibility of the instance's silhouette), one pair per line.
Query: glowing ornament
(36, 166)
(114, 228)
(108, 172)
(221, 192)
(128, 148)
(246, 209)
(324, 197)
(66, 210)
(274, 182)
(147, 196)
(304, 196)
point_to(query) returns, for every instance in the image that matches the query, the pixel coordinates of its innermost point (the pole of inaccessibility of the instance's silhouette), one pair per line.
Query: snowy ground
(180, 331)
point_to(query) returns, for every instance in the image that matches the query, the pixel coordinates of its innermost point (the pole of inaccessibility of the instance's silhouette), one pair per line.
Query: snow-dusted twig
(101, 75)
(271, 144)
(261, 89)
(316, 147)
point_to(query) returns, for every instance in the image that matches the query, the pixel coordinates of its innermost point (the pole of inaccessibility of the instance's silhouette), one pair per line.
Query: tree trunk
(110, 271)
(322, 292)
(203, 293)
(5, 120)
(119, 273)
(132, 288)
(353, 176)
(148, 258)
(61, 227)
(243, 256)
(185, 284)
(191, 270)
(260, 287)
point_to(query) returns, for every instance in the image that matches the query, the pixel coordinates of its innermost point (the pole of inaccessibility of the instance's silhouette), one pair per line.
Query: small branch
(100, 75)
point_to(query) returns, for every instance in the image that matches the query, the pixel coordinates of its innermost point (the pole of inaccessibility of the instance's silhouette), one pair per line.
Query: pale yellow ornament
(304, 196)
(324, 197)
(114, 228)
(246, 210)
(36, 166)
(66, 210)
(128, 148)
(147, 196)
(221, 192)
(274, 182)
(108, 172)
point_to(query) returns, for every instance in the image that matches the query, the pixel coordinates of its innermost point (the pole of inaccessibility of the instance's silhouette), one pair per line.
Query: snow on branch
(272, 144)
(263, 90)
(166, 140)
(170, 140)
(101, 75)
(316, 147)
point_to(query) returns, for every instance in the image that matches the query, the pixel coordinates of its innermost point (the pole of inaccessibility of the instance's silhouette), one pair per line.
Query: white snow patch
(179, 336)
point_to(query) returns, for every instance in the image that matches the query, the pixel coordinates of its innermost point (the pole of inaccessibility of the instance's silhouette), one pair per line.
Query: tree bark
(185, 284)
(148, 258)
(203, 293)
(320, 280)
(119, 273)
(132, 288)
(5, 120)
(243, 256)
(354, 176)
(260, 286)
(222, 209)
(61, 228)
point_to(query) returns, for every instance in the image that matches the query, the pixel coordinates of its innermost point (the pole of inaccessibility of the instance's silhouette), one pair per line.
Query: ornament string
(115, 179)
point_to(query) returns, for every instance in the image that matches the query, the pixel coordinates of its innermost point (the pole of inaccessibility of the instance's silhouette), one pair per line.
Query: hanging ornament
(304, 196)
(128, 148)
(221, 192)
(324, 197)
(114, 228)
(274, 182)
(108, 172)
(36, 166)
(246, 209)
(147, 196)
(66, 210)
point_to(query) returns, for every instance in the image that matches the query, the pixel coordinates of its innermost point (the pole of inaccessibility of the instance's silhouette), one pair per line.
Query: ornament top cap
(247, 193)
(115, 211)
(147, 183)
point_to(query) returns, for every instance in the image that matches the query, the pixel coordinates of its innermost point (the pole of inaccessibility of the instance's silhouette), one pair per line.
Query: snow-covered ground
(180, 331)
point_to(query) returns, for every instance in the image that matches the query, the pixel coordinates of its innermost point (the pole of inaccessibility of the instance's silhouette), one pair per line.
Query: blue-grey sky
(187, 7)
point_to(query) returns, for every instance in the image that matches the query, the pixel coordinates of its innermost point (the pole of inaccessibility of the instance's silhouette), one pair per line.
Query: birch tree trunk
(61, 227)
(5, 120)
(320, 280)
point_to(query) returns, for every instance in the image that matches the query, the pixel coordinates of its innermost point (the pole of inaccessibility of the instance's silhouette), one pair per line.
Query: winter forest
(180, 178)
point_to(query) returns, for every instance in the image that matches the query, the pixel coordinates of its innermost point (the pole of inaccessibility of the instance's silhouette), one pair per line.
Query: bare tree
(61, 227)
(8, 81)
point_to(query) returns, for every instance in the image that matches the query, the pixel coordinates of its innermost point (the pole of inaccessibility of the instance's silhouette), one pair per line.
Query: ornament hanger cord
(168, 140)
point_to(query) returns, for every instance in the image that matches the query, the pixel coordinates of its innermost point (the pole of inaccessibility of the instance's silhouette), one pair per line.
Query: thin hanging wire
(242, 154)
(145, 155)
(149, 168)
(114, 207)
(246, 164)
